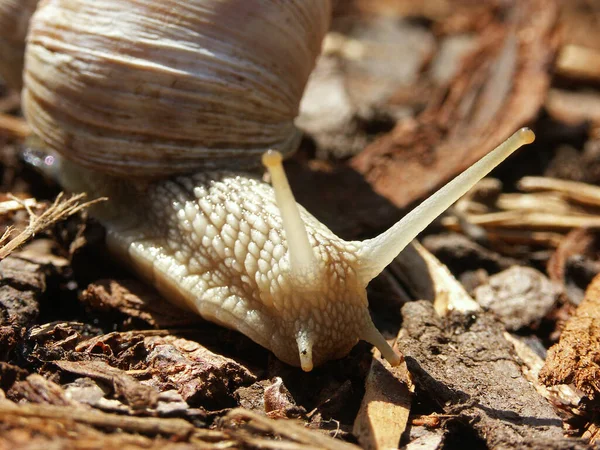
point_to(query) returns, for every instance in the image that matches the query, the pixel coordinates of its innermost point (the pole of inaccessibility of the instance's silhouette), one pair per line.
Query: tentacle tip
(306, 363)
(394, 359)
(272, 158)
(305, 346)
(526, 135)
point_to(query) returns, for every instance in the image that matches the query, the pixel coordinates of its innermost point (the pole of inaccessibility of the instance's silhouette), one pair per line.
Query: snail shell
(148, 89)
(14, 20)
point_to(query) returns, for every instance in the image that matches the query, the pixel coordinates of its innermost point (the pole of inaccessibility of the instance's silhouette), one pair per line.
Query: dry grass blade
(13, 127)
(9, 206)
(149, 426)
(573, 190)
(6, 235)
(532, 220)
(60, 209)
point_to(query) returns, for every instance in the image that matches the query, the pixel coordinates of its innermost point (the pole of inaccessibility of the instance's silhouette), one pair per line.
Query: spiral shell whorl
(133, 87)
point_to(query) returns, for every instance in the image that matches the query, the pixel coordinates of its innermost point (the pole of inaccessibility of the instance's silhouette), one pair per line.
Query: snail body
(220, 242)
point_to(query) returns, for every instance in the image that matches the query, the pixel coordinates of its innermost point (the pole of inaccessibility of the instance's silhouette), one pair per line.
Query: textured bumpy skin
(215, 244)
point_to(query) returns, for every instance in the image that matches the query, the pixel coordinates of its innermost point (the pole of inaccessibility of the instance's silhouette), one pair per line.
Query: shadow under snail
(163, 107)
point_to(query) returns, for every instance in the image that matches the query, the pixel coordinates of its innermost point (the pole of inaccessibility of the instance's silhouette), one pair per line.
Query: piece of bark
(463, 364)
(10, 336)
(252, 397)
(579, 23)
(287, 429)
(385, 408)
(136, 300)
(199, 375)
(577, 250)
(575, 359)
(21, 286)
(562, 397)
(138, 396)
(55, 341)
(167, 362)
(500, 88)
(9, 374)
(90, 392)
(279, 403)
(592, 433)
(353, 90)
(32, 433)
(37, 389)
(44, 253)
(583, 193)
(44, 426)
(519, 297)
(147, 425)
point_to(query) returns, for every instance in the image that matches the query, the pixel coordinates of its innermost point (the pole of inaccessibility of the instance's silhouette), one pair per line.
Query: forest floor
(496, 311)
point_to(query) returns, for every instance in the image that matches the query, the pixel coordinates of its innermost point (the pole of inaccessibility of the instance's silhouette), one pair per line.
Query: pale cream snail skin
(218, 241)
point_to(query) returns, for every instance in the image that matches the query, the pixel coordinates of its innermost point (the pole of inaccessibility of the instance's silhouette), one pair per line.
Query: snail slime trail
(169, 128)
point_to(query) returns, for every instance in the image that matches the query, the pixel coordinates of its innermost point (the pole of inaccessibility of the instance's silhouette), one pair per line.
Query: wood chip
(464, 366)
(573, 107)
(385, 408)
(576, 358)
(575, 61)
(584, 193)
(21, 286)
(450, 295)
(199, 375)
(138, 396)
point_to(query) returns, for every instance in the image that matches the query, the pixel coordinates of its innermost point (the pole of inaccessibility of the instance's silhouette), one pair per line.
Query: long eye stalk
(375, 254)
(303, 263)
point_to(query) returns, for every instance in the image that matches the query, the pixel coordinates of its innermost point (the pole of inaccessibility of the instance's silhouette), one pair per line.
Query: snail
(164, 107)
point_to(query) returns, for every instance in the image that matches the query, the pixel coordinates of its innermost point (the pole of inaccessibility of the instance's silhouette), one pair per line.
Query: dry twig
(13, 127)
(60, 209)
